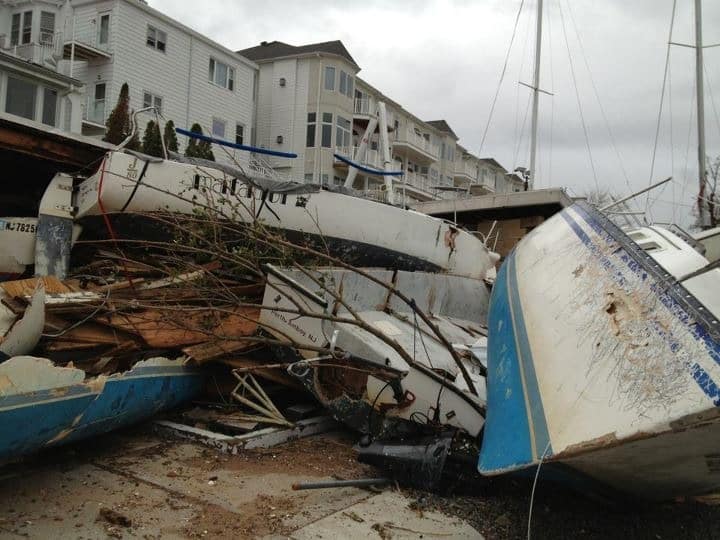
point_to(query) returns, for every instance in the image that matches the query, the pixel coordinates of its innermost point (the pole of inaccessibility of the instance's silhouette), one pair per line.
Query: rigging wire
(691, 116)
(662, 101)
(577, 97)
(517, 133)
(552, 95)
(712, 97)
(502, 77)
(672, 142)
(597, 97)
(519, 140)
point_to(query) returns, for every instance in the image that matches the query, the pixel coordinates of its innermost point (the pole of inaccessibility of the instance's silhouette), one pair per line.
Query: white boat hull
(599, 359)
(356, 229)
(455, 297)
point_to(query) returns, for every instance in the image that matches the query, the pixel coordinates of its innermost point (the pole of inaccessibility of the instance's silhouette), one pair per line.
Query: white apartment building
(311, 102)
(105, 43)
(34, 83)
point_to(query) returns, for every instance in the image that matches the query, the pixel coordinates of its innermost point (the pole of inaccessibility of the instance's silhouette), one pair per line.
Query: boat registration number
(15, 226)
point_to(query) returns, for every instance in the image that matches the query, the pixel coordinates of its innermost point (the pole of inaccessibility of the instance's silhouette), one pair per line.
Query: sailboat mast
(536, 95)
(700, 108)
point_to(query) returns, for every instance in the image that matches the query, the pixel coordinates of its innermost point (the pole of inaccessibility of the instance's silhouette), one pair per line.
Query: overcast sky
(443, 59)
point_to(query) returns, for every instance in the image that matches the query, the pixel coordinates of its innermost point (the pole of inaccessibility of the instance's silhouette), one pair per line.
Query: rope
(502, 77)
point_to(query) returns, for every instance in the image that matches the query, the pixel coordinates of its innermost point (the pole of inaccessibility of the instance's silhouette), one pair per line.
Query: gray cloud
(442, 59)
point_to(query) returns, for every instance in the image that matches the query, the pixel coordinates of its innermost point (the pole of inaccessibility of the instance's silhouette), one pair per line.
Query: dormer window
(21, 28)
(47, 28)
(27, 27)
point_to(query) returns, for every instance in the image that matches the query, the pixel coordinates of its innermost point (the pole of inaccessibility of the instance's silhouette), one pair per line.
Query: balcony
(364, 106)
(372, 157)
(86, 47)
(465, 171)
(46, 53)
(412, 144)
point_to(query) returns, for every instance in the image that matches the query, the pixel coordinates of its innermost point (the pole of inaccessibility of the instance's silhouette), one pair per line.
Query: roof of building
(492, 161)
(277, 49)
(442, 125)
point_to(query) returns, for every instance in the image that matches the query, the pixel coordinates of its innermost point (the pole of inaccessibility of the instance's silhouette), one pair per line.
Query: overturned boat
(44, 405)
(603, 359)
(116, 200)
(390, 372)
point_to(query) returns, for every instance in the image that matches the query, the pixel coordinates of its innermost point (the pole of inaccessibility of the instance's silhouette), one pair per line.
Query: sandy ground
(140, 485)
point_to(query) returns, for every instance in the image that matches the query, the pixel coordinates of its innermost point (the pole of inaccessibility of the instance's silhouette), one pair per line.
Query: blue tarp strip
(367, 169)
(229, 144)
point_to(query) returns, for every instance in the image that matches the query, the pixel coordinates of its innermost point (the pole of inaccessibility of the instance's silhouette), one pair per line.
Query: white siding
(179, 74)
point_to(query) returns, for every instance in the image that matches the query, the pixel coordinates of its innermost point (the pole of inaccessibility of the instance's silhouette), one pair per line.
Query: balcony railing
(467, 169)
(372, 157)
(414, 139)
(48, 51)
(363, 105)
(95, 111)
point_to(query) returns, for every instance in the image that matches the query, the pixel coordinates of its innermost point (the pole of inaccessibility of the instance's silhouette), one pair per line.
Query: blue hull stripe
(515, 429)
(699, 375)
(538, 424)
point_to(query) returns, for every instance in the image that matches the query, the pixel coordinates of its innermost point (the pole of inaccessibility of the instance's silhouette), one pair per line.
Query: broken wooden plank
(170, 329)
(22, 288)
(204, 352)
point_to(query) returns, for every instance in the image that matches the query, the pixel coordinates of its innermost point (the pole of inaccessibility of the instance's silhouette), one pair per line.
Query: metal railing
(49, 50)
(411, 137)
(372, 157)
(363, 105)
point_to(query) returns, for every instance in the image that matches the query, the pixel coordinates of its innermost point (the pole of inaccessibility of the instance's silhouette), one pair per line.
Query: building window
(218, 128)
(308, 178)
(27, 27)
(326, 139)
(47, 28)
(342, 134)
(221, 74)
(97, 107)
(346, 84)
(329, 78)
(20, 99)
(325, 179)
(156, 38)
(104, 29)
(49, 110)
(239, 134)
(151, 100)
(15, 30)
(343, 82)
(310, 135)
(338, 181)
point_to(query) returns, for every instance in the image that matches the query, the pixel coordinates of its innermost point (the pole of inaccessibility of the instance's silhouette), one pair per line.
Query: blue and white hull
(42, 405)
(600, 359)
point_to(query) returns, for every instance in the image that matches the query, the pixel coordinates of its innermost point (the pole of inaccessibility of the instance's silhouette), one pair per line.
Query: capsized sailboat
(604, 357)
(128, 186)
